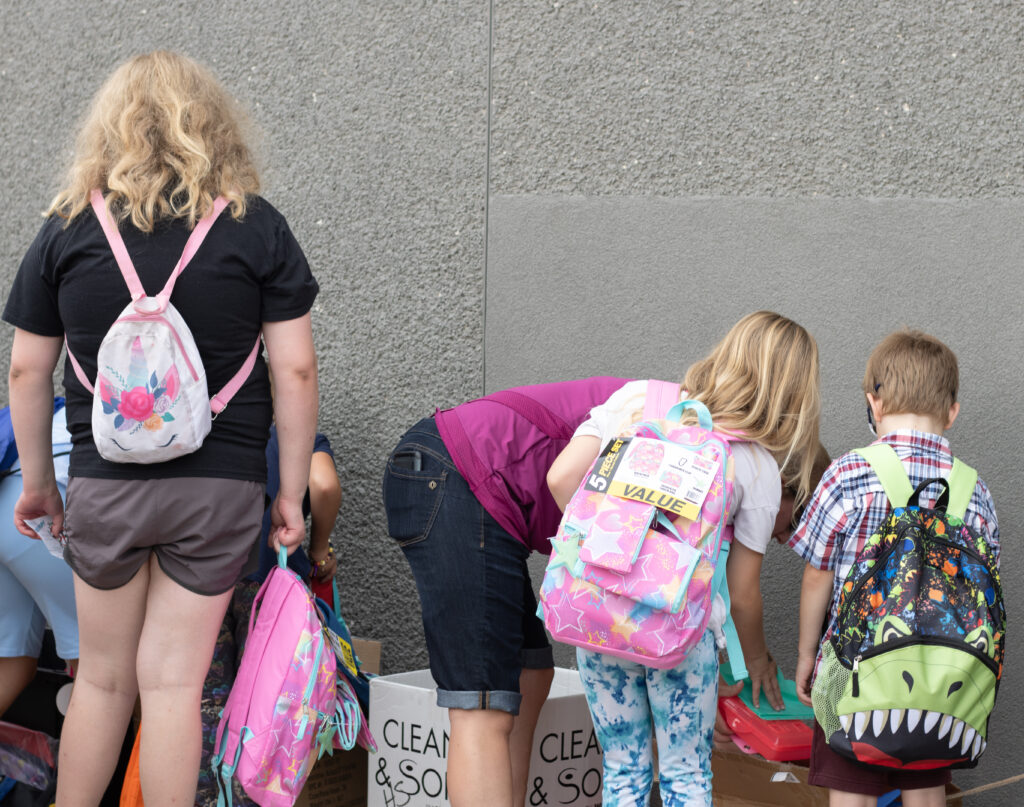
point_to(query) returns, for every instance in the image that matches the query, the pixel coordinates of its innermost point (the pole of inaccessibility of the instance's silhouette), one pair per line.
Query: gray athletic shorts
(200, 529)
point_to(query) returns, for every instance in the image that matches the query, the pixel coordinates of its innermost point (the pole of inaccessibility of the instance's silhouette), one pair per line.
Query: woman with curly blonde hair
(157, 548)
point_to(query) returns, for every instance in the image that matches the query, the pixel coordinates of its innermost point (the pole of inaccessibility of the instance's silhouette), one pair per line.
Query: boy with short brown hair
(911, 384)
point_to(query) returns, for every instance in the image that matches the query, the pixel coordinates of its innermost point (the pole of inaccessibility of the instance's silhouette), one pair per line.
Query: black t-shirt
(245, 273)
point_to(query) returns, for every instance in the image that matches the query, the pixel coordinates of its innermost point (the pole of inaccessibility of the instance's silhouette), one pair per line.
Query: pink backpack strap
(124, 262)
(221, 399)
(82, 377)
(661, 396)
(195, 240)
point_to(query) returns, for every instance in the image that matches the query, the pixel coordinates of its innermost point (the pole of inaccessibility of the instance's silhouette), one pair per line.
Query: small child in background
(911, 384)
(36, 588)
(760, 381)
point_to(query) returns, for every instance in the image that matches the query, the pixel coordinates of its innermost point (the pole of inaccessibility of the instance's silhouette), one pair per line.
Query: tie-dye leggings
(627, 700)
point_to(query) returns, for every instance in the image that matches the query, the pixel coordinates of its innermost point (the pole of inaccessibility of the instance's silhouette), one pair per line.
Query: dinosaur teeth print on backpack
(909, 676)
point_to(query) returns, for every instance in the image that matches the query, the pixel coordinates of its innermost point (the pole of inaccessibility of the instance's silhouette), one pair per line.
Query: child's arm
(569, 467)
(815, 596)
(324, 502)
(743, 572)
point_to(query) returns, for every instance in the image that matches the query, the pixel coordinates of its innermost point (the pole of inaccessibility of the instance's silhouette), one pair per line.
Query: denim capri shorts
(479, 609)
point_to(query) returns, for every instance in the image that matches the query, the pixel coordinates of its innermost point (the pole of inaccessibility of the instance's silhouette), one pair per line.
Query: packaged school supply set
(150, 399)
(909, 676)
(639, 553)
(290, 703)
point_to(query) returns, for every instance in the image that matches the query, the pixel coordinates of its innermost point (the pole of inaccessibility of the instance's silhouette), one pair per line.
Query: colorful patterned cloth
(849, 505)
(627, 699)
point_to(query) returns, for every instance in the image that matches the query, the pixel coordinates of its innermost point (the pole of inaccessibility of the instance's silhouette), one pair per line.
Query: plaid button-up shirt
(849, 505)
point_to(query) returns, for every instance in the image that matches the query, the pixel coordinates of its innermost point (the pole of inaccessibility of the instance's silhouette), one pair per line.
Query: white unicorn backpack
(150, 401)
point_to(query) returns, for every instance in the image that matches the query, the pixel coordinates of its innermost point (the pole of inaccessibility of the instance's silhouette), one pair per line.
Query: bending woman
(156, 549)
(467, 502)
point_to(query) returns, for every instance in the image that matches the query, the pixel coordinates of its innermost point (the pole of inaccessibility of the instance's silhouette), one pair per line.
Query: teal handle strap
(890, 472)
(703, 415)
(665, 522)
(962, 480)
(348, 718)
(313, 677)
(337, 599)
(282, 557)
(720, 584)
(225, 791)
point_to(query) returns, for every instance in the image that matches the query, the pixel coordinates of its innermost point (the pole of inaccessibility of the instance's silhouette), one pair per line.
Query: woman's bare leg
(173, 658)
(534, 686)
(109, 624)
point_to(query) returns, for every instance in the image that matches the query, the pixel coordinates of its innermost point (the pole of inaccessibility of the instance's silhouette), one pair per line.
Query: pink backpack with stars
(639, 553)
(283, 711)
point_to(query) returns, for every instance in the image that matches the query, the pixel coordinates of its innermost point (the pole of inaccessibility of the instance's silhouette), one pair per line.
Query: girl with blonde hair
(156, 549)
(760, 383)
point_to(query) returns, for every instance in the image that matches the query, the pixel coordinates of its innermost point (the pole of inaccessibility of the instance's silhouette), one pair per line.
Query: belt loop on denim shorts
(485, 700)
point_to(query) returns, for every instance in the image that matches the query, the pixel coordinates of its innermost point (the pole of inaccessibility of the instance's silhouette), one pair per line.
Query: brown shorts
(200, 529)
(833, 770)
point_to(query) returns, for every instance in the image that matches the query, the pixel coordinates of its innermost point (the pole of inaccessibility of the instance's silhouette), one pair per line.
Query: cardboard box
(746, 780)
(412, 734)
(340, 780)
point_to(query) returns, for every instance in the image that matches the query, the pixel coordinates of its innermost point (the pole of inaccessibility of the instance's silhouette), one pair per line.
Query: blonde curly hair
(162, 140)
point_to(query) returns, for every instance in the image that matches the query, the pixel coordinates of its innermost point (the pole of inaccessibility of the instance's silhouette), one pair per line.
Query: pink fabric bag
(281, 715)
(635, 578)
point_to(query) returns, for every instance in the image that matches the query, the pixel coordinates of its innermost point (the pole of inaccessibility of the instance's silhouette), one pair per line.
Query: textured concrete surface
(643, 287)
(376, 145)
(757, 98)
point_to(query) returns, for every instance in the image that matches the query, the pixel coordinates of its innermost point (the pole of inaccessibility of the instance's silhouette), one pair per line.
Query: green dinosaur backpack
(909, 677)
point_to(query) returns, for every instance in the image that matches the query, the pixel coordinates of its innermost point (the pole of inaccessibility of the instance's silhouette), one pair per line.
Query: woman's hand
(36, 505)
(764, 675)
(287, 526)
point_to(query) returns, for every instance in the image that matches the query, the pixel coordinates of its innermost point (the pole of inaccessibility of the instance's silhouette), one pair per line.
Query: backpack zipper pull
(856, 682)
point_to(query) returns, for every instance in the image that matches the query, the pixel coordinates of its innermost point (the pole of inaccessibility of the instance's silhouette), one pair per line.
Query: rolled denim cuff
(500, 701)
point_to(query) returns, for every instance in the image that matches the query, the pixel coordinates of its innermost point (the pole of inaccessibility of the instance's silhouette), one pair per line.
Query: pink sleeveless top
(504, 443)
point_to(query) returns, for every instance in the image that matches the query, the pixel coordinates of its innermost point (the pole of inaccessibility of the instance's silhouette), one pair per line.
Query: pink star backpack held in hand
(282, 713)
(150, 400)
(639, 554)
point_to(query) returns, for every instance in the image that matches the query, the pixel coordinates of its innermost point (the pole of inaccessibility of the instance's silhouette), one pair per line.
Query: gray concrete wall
(857, 166)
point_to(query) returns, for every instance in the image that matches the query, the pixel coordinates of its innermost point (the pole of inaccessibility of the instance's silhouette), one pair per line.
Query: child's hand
(764, 675)
(324, 563)
(804, 673)
(723, 734)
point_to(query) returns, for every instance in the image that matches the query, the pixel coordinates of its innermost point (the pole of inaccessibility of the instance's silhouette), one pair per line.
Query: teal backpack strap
(890, 472)
(720, 584)
(962, 480)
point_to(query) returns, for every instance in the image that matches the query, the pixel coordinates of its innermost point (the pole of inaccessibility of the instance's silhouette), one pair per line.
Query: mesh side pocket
(829, 686)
